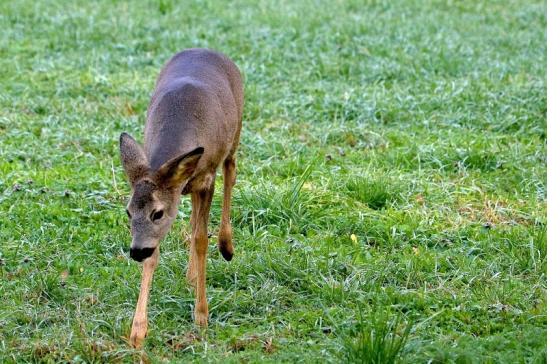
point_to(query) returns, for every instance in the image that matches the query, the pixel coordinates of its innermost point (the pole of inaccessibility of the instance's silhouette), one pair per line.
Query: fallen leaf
(64, 275)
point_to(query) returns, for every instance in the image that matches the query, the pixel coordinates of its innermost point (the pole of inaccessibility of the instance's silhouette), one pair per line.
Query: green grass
(375, 340)
(416, 126)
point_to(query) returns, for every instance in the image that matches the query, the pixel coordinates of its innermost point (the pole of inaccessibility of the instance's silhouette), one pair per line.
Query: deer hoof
(136, 341)
(226, 248)
(138, 333)
(226, 254)
(201, 319)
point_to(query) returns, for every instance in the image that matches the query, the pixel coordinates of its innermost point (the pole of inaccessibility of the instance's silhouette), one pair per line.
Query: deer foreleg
(191, 271)
(200, 244)
(140, 320)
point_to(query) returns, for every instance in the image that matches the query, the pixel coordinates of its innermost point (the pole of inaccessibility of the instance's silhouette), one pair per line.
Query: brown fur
(193, 126)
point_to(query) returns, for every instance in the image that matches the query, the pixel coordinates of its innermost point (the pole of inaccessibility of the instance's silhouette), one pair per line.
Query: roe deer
(192, 126)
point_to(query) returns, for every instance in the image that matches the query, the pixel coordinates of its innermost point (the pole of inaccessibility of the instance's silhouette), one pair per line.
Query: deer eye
(156, 215)
(128, 213)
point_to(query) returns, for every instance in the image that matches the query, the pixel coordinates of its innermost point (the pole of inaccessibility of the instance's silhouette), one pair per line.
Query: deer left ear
(175, 171)
(134, 161)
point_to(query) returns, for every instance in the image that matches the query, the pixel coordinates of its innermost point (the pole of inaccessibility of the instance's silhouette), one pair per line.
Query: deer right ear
(177, 170)
(133, 159)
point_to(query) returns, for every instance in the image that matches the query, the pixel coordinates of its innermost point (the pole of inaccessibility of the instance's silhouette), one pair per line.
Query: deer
(193, 125)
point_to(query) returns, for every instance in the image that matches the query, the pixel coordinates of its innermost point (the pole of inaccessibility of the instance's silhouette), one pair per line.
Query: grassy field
(390, 199)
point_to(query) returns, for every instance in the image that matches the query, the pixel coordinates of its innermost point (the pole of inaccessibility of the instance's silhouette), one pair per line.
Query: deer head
(155, 194)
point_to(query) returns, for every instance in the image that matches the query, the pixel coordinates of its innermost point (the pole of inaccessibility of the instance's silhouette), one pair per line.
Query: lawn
(390, 202)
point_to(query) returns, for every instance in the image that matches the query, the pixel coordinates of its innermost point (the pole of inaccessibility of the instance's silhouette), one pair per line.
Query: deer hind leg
(200, 245)
(140, 320)
(225, 245)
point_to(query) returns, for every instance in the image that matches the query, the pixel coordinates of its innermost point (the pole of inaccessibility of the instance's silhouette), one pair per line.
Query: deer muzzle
(140, 254)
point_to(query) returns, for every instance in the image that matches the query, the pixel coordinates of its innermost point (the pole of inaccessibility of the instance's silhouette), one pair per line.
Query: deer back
(197, 102)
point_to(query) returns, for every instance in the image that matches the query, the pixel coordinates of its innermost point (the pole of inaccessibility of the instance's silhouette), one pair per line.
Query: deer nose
(140, 254)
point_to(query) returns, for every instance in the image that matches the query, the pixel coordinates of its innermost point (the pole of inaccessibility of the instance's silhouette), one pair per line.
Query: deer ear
(177, 170)
(133, 159)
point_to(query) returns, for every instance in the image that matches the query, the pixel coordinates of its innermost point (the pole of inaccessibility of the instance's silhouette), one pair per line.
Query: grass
(390, 202)
(375, 340)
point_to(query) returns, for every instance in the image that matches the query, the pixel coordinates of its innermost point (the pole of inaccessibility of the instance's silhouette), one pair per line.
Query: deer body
(192, 127)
